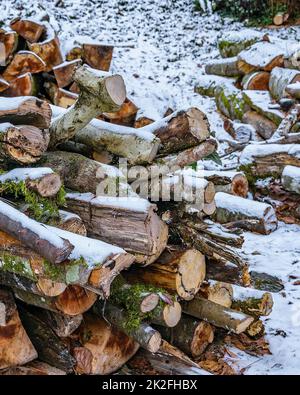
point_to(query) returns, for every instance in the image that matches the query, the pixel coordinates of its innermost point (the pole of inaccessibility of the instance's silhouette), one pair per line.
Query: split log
(209, 208)
(217, 292)
(64, 72)
(207, 85)
(262, 55)
(86, 175)
(224, 67)
(144, 334)
(246, 214)
(217, 315)
(22, 144)
(41, 180)
(177, 270)
(138, 146)
(280, 78)
(34, 235)
(70, 222)
(269, 159)
(24, 85)
(293, 90)
(256, 330)
(48, 49)
(25, 111)
(240, 132)
(232, 43)
(4, 85)
(51, 349)
(261, 102)
(98, 94)
(263, 126)
(104, 350)
(290, 179)
(15, 346)
(29, 29)
(23, 62)
(117, 220)
(190, 335)
(34, 368)
(257, 80)
(92, 264)
(227, 272)
(232, 182)
(125, 116)
(98, 56)
(10, 40)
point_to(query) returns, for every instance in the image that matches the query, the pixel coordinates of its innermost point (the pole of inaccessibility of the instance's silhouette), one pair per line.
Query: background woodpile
(87, 279)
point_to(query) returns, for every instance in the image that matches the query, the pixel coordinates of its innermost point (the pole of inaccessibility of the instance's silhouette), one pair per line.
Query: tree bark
(240, 132)
(34, 368)
(227, 67)
(98, 94)
(232, 182)
(263, 126)
(231, 44)
(290, 179)
(227, 272)
(253, 302)
(15, 346)
(70, 222)
(280, 78)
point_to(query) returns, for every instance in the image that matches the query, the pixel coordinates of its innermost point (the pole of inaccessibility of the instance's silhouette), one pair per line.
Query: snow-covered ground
(160, 49)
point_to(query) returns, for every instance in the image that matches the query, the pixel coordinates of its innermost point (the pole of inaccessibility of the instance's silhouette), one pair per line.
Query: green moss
(15, 264)
(40, 208)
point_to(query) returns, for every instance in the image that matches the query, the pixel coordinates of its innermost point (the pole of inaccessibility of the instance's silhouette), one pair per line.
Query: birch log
(224, 67)
(293, 90)
(232, 182)
(280, 78)
(98, 93)
(290, 179)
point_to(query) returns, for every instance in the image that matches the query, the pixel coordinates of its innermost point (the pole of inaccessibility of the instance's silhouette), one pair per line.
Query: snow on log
(257, 80)
(217, 315)
(232, 182)
(117, 220)
(260, 56)
(137, 145)
(4, 85)
(233, 42)
(252, 301)
(223, 67)
(99, 92)
(23, 62)
(10, 40)
(263, 126)
(34, 235)
(208, 84)
(70, 222)
(16, 347)
(24, 85)
(247, 214)
(241, 132)
(261, 102)
(26, 110)
(63, 72)
(280, 78)
(263, 160)
(29, 29)
(293, 90)
(290, 179)
(231, 102)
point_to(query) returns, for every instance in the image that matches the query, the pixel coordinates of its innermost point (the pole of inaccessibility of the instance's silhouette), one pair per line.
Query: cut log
(63, 325)
(15, 346)
(34, 235)
(125, 116)
(227, 272)
(252, 302)
(190, 335)
(269, 159)
(247, 214)
(180, 271)
(86, 175)
(266, 282)
(181, 130)
(257, 80)
(70, 222)
(263, 56)
(231, 102)
(290, 179)
(240, 132)
(293, 90)
(25, 111)
(98, 93)
(98, 56)
(34, 368)
(138, 146)
(263, 126)
(217, 315)
(117, 220)
(29, 29)
(104, 349)
(64, 72)
(224, 67)
(49, 346)
(48, 50)
(4, 85)
(286, 125)
(232, 182)
(144, 334)
(10, 40)
(207, 85)
(23, 62)
(209, 208)
(261, 102)
(280, 78)
(41, 180)
(233, 42)
(22, 144)
(280, 18)
(256, 330)
(24, 85)
(142, 121)
(217, 292)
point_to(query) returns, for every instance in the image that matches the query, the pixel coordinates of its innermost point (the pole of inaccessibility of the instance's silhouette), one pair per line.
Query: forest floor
(160, 49)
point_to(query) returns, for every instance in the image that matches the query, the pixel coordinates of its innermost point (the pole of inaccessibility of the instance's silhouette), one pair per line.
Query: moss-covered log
(232, 43)
(224, 67)
(257, 305)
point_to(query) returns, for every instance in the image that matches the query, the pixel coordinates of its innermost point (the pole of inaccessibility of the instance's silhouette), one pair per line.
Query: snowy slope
(161, 47)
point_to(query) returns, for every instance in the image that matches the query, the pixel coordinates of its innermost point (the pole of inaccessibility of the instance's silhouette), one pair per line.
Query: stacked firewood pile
(88, 276)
